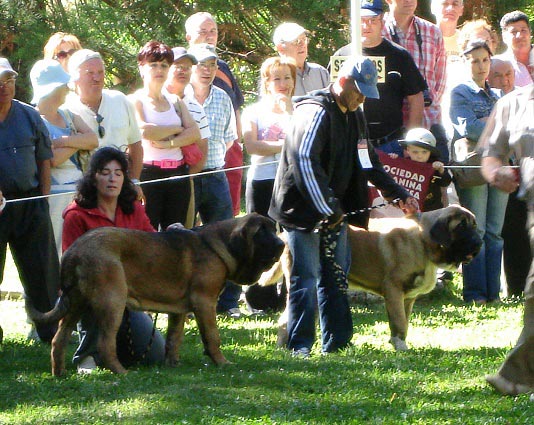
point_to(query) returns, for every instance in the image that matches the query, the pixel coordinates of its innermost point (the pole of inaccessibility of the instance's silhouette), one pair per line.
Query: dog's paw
(398, 344)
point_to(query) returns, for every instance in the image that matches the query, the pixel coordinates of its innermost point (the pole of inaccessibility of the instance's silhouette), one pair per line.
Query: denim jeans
(482, 276)
(313, 285)
(213, 203)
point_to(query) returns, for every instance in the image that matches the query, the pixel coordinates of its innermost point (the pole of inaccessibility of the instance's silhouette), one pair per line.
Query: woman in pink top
(166, 126)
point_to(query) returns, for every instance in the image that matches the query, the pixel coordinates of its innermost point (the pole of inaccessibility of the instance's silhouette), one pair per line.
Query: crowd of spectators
(441, 79)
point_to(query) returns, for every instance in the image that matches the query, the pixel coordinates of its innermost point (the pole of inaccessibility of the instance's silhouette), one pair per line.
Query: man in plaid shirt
(424, 41)
(212, 193)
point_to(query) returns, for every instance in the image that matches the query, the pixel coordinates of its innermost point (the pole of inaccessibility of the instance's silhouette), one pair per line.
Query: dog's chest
(422, 282)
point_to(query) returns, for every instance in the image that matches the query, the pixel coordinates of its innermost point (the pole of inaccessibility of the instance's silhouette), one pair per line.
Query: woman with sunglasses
(70, 135)
(61, 46)
(166, 126)
(106, 196)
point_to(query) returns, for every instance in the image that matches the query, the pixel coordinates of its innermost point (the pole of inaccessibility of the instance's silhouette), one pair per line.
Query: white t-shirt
(264, 119)
(119, 121)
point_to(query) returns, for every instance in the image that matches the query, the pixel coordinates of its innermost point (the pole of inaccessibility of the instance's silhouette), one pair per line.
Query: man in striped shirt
(212, 193)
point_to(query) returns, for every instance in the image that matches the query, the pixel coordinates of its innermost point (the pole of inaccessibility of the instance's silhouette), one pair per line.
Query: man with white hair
(201, 27)
(107, 112)
(291, 41)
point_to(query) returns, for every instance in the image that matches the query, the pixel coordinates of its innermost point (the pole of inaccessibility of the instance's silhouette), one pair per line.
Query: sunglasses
(10, 82)
(101, 130)
(63, 54)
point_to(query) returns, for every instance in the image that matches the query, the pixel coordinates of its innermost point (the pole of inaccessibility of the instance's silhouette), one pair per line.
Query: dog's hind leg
(175, 337)
(108, 311)
(59, 343)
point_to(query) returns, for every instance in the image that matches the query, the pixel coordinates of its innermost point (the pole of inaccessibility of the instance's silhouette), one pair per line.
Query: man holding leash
(323, 173)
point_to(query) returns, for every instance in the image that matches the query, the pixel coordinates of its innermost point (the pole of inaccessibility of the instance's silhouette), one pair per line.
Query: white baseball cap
(5, 68)
(288, 31)
(78, 58)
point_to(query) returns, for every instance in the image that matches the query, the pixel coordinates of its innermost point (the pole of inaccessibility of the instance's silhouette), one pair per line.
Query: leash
(328, 238)
(130, 338)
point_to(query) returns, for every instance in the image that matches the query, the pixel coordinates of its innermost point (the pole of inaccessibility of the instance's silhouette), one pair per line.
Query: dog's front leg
(398, 322)
(207, 325)
(175, 337)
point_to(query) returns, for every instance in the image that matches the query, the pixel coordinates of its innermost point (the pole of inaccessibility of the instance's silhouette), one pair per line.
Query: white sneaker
(87, 365)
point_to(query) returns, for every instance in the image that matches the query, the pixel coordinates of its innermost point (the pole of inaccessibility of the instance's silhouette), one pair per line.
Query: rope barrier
(205, 173)
(186, 176)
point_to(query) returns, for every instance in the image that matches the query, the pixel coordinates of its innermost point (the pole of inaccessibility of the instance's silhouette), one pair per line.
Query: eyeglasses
(208, 65)
(8, 83)
(302, 40)
(62, 54)
(101, 130)
(183, 68)
(204, 33)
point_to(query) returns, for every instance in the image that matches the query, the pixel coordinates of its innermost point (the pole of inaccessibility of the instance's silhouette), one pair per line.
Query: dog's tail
(52, 316)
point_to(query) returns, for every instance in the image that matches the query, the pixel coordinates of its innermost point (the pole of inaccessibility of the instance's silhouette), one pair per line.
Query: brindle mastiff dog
(175, 272)
(398, 259)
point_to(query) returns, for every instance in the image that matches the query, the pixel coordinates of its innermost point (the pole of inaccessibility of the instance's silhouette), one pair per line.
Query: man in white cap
(25, 154)
(323, 172)
(291, 40)
(107, 112)
(212, 193)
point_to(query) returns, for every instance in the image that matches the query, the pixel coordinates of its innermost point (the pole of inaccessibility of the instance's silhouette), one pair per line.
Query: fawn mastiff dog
(174, 272)
(398, 259)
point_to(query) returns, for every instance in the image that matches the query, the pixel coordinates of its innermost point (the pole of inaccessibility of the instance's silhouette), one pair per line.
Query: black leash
(328, 242)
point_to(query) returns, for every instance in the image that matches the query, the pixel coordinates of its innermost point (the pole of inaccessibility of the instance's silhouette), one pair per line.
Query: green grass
(439, 381)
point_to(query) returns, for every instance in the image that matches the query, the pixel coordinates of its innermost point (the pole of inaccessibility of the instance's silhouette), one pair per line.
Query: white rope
(205, 173)
(186, 176)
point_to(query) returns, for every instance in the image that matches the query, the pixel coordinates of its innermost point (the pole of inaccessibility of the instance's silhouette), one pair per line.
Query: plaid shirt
(432, 64)
(221, 119)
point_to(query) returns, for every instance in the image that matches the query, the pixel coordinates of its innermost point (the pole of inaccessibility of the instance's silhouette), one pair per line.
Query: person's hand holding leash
(409, 206)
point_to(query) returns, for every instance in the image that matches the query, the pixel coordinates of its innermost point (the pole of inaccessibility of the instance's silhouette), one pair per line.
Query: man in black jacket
(323, 173)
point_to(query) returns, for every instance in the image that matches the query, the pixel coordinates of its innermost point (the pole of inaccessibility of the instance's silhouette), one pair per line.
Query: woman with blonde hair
(264, 126)
(61, 46)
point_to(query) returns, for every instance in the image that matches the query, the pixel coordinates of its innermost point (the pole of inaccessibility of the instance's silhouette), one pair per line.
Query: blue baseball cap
(363, 71)
(46, 76)
(371, 8)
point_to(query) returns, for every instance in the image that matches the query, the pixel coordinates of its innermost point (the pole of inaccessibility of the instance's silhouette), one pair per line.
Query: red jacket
(78, 220)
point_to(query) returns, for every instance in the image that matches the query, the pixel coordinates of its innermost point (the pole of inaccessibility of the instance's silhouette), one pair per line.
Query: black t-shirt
(402, 78)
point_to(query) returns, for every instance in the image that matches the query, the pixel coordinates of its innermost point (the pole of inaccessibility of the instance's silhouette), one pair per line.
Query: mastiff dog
(175, 272)
(398, 259)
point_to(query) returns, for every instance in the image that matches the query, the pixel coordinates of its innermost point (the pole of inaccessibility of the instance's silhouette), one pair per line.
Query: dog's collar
(222, 251)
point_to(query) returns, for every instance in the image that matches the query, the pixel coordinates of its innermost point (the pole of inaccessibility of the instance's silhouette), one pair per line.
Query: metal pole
(355, 28)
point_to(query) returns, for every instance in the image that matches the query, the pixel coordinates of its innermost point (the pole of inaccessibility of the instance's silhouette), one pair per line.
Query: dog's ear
(440, 232)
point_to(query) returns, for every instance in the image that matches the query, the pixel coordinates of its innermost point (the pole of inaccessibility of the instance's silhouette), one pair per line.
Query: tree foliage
(118, 28)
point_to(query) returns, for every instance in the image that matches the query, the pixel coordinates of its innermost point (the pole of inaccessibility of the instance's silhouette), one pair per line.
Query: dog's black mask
(465, 244)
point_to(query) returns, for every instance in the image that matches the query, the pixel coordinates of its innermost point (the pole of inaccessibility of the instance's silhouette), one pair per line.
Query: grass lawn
(439, 381)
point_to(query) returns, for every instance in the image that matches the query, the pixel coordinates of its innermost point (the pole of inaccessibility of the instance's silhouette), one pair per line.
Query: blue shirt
(470, 103)
(24, 141)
